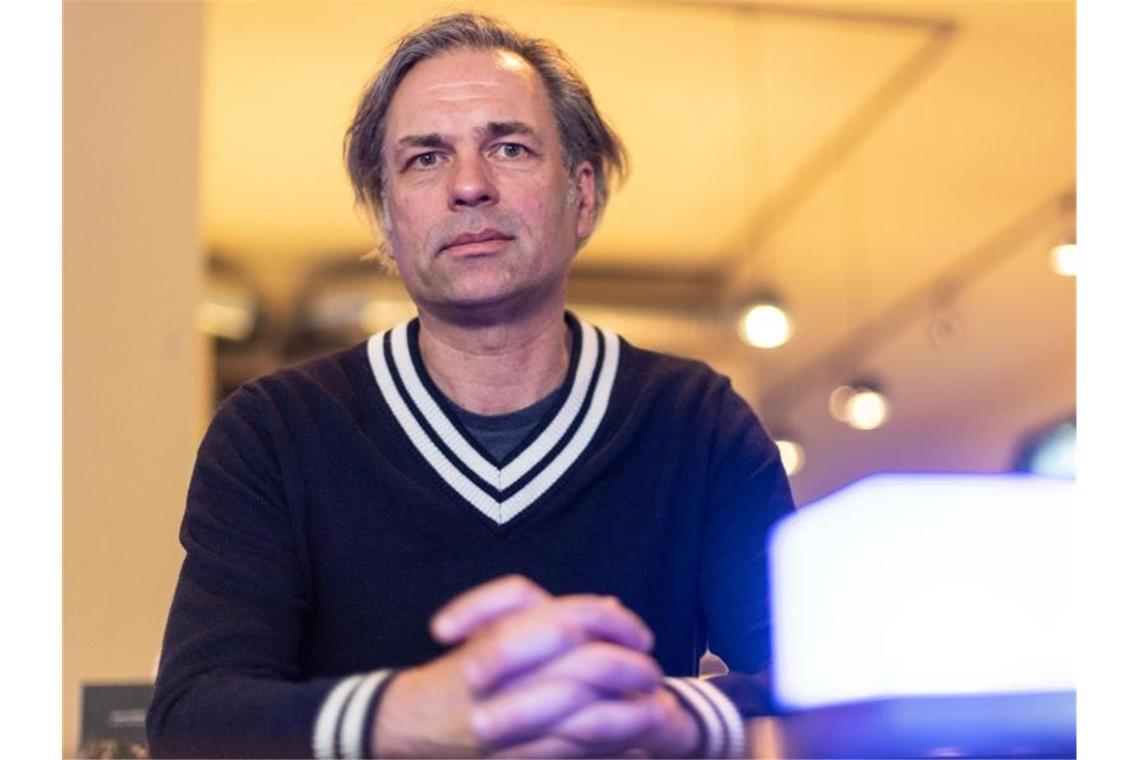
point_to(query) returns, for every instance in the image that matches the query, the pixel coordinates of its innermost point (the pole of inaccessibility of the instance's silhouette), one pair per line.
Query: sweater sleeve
(231, 680)
(748, 493)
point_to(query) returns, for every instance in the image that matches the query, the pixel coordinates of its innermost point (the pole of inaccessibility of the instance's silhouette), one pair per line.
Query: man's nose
(472, 183)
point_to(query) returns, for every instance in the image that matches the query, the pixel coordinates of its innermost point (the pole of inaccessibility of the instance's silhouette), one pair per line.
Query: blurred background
(862, 213)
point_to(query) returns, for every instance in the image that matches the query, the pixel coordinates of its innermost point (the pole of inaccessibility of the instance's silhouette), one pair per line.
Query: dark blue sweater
(336, 505)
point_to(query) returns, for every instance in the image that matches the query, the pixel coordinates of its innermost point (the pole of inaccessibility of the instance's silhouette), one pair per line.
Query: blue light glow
(907, 585)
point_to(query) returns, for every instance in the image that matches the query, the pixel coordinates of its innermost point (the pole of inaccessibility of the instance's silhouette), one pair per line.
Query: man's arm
(231, 683)
(748, 492)
(230, 680)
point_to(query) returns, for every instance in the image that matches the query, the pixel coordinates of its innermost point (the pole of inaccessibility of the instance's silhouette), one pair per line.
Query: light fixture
(223, 317)
(1063, 258)
(764, 323)
(886, 555)
(230, 308)
(862, 405)
(791, 454)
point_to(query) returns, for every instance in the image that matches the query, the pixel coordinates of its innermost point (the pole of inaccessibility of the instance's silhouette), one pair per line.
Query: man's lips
(473, 239)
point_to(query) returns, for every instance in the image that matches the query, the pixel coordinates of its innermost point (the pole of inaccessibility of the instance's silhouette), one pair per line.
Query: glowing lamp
(764, 324)
(1063, 259)
(861, 405)
(791, 454)
(920, 585)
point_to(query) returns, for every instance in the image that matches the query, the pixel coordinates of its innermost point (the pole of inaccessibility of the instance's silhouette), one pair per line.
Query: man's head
(485, 159)
(584, 133)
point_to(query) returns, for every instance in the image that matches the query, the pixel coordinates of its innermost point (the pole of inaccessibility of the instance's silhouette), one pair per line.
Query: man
(495, 529)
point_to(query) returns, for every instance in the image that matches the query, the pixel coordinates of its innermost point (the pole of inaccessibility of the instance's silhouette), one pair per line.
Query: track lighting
(862, 405)
(764, 323)
(791, 454)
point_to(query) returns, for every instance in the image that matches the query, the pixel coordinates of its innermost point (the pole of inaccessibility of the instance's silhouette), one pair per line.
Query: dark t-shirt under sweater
(336, 505)
(501, 434)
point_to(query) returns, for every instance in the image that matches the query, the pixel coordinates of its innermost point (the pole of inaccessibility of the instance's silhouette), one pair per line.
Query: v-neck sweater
(336, 505)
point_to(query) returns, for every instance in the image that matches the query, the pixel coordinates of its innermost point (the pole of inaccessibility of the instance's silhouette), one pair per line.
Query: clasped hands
(533, 675)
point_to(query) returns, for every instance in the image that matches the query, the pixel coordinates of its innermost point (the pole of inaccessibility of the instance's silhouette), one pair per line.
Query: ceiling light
(867, 409)
(791, 454)
(764, 324)
(225, 320)
(837, 402)
(1063, 258)
(229, 311)
(861, 405)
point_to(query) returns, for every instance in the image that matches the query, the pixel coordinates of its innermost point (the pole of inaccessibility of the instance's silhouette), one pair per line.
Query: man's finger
(527, 713)
(528, 639)
(546, 746)
(610, 726)
(603, 728)
(484, 604)
(610, 669)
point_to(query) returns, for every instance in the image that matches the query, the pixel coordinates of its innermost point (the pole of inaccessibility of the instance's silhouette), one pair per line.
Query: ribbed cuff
(345, 719)
(722, 729)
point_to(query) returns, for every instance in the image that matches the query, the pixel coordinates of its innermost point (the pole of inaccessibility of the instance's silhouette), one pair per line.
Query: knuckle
(645, 662)
(479, 659)
(569, 633)
(579, 693)
(522, 587)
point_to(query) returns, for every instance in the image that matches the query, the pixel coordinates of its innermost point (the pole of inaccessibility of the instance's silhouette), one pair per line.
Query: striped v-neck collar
(498, 491)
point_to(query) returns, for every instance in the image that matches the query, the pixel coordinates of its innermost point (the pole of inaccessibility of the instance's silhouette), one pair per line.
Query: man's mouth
(475, 241)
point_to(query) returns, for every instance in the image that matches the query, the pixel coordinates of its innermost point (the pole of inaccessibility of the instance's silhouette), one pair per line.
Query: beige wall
(133, 363)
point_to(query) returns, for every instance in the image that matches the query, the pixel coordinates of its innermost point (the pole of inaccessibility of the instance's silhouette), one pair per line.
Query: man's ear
(586, 193)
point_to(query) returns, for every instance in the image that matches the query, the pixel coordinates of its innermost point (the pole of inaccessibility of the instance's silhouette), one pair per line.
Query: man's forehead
(466, 76)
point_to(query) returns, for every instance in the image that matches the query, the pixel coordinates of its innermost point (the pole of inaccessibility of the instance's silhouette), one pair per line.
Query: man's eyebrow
(504, 128)
(432, 140)
(493, 129)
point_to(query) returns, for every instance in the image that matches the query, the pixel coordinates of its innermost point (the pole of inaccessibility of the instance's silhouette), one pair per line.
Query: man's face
(479, 210)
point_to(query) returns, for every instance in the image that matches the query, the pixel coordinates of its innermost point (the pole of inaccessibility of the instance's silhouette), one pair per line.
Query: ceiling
(896, 172)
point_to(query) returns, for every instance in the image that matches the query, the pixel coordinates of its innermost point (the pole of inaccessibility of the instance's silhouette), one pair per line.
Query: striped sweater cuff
(722, 729)
(345, 719)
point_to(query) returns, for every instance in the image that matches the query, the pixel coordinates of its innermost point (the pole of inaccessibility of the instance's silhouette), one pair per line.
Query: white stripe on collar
(558, 437)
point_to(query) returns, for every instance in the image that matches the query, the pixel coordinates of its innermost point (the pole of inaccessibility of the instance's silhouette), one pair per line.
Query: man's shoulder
(645, 366)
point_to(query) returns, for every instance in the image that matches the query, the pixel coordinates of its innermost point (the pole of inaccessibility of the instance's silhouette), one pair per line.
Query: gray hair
(584, 133)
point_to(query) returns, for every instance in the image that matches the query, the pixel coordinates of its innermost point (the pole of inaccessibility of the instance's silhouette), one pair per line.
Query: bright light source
(225, 317)
(866, 409)
(904, 585)
(1055, 453)
(791, 454)
(862, 406)
(1064, 259)
(765, 325)
(837, 402)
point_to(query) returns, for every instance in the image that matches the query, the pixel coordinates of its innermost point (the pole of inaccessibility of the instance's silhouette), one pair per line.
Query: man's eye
(424, 160)
(511, 150)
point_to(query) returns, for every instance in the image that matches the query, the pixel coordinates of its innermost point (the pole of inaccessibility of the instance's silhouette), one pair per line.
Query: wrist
(388, 736)
(682, 734)
(343, 726)
(722, 729)
(423, 714)
(688, 735)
